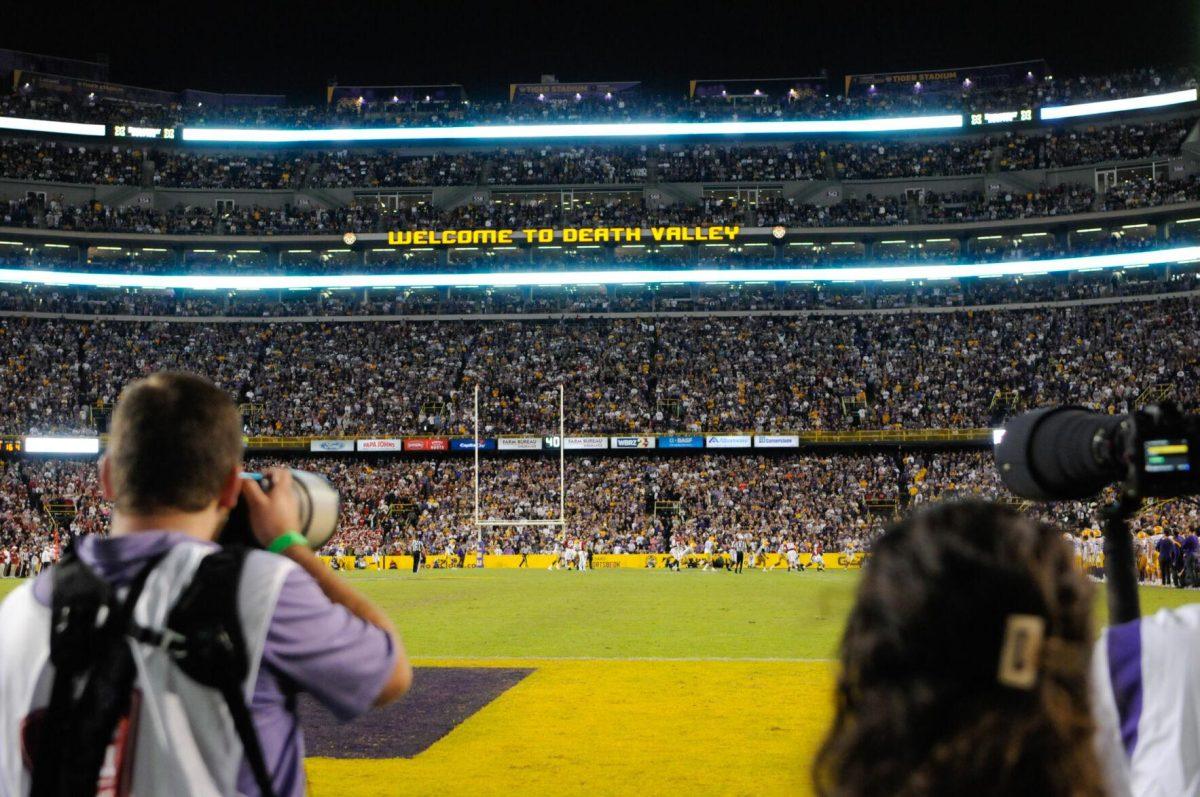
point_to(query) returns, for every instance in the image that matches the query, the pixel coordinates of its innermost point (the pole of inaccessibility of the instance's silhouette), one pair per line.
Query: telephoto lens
(319, 504)
(1061, 453)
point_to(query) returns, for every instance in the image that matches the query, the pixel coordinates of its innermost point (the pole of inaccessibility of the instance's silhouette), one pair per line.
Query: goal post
(561, 520)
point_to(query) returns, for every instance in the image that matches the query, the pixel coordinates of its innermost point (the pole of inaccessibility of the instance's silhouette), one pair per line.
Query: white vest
(186, 742)
(1157, 710)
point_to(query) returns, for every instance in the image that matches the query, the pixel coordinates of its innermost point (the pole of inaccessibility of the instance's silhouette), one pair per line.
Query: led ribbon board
(617, 277)
(1116, 106)
(47, 126)
(62, 445)
(563, 131)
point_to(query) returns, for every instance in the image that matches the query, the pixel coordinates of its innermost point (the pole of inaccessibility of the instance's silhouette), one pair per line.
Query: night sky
(294, 47)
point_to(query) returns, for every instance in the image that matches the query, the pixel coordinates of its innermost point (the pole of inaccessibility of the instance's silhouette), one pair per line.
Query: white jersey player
(793, 557)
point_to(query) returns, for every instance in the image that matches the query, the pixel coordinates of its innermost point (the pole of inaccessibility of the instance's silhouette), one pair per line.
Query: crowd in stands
(621, 107)
(642, 374)
(624, 504)
(619, 504)
(932, 207)
(645, 374)
(53, 161)
(43, 505)
(55, 214)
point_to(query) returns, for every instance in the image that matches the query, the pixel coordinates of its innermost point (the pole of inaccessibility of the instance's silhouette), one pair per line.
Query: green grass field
(633, 613)
(626, 665)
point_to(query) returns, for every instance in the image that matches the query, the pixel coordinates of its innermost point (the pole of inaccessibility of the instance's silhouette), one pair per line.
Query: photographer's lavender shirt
(312, 645)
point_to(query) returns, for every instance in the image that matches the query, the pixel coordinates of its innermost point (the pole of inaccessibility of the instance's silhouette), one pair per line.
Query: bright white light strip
(1116, 106)
(997, 436)
(46, 126)
(590, 130)
(62, 445)
(928, 271)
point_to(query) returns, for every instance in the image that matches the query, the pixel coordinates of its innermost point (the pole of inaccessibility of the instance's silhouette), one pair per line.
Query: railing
(285, 443)
(852, 404)
(1155, 394)
(1005, 399)
(897, 436)
(881, 506)
(1154, 505)
(666, 508)
(99, 415)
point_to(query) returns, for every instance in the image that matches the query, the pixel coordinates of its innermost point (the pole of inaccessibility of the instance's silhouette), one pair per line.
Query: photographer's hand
(277, 513)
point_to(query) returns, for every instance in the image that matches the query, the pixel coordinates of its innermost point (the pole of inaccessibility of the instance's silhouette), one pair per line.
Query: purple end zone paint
(441, 698)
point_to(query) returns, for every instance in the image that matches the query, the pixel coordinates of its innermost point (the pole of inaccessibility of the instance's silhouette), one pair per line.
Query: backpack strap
(204, 635)
(86, 638)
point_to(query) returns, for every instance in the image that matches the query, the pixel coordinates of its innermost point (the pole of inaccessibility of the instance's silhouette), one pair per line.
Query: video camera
(1060, 453)
(319, 504)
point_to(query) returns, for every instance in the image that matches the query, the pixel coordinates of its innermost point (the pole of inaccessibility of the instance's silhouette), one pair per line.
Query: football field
(605, 682)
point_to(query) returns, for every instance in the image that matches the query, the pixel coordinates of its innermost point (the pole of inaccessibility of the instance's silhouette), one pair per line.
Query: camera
(319, 504)
(1062, 453)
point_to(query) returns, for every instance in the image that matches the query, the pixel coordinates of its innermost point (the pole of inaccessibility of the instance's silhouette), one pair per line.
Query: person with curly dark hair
(964, 665)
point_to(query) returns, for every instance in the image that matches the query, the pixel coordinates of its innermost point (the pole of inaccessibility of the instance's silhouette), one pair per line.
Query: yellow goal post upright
(561, 520)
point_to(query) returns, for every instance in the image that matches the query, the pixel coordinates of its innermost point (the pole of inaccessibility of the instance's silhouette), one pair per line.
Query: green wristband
(287, 540)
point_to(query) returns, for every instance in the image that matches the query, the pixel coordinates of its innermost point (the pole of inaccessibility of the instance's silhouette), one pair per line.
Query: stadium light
(925, 271)
(1116, 106)
(229, 135)
(46, 126)
(62, 445)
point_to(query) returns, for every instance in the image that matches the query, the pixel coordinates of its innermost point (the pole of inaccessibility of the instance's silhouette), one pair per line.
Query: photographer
(964, 664)
(172, 471)
(1144, 670)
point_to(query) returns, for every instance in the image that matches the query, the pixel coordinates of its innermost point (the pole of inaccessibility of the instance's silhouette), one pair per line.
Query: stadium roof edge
(924, 271)
(586, 130)
(1144, 102)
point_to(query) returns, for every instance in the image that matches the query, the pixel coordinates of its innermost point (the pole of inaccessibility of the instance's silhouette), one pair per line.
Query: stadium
(573, 352)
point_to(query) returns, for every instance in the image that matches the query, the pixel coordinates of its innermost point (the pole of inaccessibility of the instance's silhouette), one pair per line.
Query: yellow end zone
(612, 726)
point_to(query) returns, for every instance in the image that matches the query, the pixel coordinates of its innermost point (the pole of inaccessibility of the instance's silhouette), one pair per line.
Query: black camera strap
(88, 638)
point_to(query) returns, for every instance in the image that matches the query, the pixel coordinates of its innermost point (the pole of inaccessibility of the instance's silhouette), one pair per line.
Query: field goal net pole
(561, 520)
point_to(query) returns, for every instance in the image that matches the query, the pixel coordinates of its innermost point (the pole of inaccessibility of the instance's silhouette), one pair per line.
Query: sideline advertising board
(776, 441)
(426, 444)
(519, 443)
(586, 443)
(468, 444)
(379, 444)
(331, 445)
(680, 441)
(728, 441)
(634, 442)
